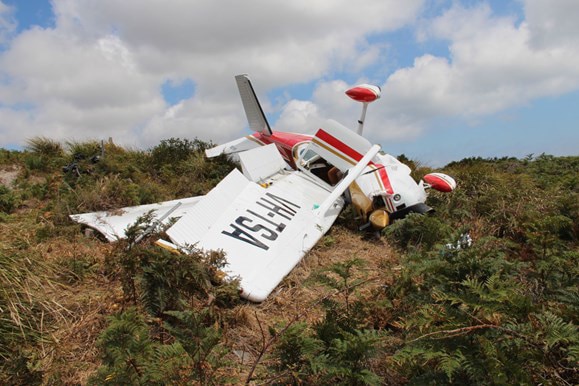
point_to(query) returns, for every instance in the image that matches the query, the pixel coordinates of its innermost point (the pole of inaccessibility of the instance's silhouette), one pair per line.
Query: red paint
(362, 94)
(384, 178)
(338, 145)
(288, 140)
(438, 183)
(347, 150)
(284, 142)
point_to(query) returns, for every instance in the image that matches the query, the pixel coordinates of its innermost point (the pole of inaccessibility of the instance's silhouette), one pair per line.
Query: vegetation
(484, 291)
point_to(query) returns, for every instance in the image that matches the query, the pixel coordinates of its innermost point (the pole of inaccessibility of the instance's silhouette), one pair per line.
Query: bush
(418, 231)
(170, 152)
(339, 348)
(131, 357)
(8, 200)
(43, 154)
(501, 311)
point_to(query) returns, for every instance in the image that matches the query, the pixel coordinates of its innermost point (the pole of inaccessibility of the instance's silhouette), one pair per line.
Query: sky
(459, 78)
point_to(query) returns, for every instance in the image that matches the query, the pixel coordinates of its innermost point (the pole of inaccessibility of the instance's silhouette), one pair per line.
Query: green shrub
(8, 200)
(44, 154)
(45, 146)
(418, 231)
(339, 348)
(301, 357)
(167, 278)
(170, 152)
(10, 157)
(34, 161)
(84, 150)
(199, 336)
(131, 357)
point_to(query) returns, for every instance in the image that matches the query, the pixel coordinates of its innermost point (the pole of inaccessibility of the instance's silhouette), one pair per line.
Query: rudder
(255, 116)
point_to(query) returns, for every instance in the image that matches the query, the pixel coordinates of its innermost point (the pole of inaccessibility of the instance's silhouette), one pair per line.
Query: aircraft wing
(112, 224)
(264, 230)
(264, 227)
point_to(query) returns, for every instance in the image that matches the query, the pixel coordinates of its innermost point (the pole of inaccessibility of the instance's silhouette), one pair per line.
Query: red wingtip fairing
(440, 181)
(364, 93)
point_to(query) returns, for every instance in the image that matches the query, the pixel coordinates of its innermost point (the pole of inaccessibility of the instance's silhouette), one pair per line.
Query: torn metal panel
(261, 163)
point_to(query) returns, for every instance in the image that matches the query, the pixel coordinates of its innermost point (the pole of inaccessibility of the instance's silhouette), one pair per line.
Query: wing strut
(353, 173)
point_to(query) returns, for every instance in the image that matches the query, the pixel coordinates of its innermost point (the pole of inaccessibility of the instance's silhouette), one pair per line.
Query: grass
(58, 287)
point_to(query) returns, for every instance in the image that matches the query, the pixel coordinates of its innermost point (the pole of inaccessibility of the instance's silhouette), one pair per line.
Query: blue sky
(459, 78)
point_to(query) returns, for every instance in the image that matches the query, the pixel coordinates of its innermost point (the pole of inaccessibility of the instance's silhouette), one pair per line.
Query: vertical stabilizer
(255, 116)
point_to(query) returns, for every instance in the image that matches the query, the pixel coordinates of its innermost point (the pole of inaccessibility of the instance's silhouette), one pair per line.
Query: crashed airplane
(291, 190)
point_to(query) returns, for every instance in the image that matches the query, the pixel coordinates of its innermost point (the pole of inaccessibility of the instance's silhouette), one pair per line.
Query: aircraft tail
(255, 116)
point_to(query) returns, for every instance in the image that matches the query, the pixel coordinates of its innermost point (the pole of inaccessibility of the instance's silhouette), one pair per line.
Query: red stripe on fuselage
(347, 150)
(284, 142)
(384, 177)
(338, 145)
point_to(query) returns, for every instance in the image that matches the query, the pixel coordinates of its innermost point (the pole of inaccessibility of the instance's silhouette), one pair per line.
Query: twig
(455, 332)
(469, 329)
(264, 346)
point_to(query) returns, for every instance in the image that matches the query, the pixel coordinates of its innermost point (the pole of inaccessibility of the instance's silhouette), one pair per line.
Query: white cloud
(71, 89)
(553, 23)
(99, 71)
(495, 63)
(299, 116)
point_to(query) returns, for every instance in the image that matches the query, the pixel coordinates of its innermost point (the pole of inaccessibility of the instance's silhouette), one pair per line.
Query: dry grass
(74, 356)
(71, 355)
(73, 315)
(297, 297)
(68, 354)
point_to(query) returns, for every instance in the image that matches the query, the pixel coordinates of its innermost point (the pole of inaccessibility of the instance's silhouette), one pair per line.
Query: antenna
(365, 93)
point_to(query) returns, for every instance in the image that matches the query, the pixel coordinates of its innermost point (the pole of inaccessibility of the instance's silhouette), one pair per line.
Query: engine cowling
(440, 181)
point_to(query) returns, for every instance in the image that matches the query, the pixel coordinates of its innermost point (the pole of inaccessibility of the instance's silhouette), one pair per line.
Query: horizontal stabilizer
(234, 147)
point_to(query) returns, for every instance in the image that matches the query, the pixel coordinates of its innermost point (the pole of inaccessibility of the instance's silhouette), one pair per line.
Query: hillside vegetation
(421, 305)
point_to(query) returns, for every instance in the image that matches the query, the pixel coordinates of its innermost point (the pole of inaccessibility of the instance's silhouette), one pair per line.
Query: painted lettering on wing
(262, 225)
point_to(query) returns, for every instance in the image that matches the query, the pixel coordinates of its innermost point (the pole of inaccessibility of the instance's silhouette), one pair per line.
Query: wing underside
(264, 232)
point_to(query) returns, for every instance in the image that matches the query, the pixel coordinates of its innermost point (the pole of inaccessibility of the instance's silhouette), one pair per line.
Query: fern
(131, 357)
(167, 278)
(127, 350)
(555, 331)
(201, 340)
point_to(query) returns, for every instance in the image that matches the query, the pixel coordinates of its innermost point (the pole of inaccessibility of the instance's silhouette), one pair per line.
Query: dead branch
(467, 330)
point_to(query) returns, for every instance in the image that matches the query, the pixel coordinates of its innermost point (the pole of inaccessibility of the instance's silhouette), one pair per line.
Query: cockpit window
(310, 156)
(311, 162)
